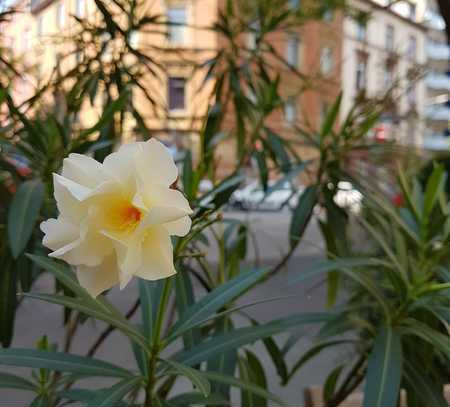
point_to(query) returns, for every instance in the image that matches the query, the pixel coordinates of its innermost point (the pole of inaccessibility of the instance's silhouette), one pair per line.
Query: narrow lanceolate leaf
(187, 399)
(184, 300)
(384, 371)
(434, 188)
(302, 215)
(62, 362)
(10, 381)
(8, 298)
(216, 299)
(111, 396)
(67, 278)
(330, 119)
(23, 214)
(150, 295)
(195, 376)
(241, 384)
(244, 336)
(95, 312)
(423, 387)
(40, 401)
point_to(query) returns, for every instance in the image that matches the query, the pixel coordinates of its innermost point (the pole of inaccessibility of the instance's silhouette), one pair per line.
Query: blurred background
(156, 66)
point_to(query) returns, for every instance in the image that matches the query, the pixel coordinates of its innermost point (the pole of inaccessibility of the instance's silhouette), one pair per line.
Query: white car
(348, 197)
(253, 197)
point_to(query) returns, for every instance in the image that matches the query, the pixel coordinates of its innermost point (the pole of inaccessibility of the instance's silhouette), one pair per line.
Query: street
(36, 318)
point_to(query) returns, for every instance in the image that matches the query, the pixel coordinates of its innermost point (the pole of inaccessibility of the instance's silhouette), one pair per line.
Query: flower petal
(100, 278)
(58, 233)
(83, 170)
(155, 164)
(157, 256)
(180, 227)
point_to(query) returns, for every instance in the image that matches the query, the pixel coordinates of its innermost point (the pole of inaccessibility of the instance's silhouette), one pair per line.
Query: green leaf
(115, 320)
(331, 382)
(250, 387)
(187, 399)
(311, 353)
(195, 376)
(434, 188)
(262, 167)
(216, 299)
(108, 114)
(188, 176)
(8, 298)
(116, 393)
(252, 371)
(184, 300)
(330, 119)
(424, 388)
(67, 278)
(23, 214)
(10, 381)
(244, 336)
(62, 362)
(277, 146)
(302, 214)
(41, 401)
(149, 294)
(384, 370)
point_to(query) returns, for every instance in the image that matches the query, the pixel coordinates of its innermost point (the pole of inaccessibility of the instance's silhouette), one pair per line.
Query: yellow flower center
(123, 216)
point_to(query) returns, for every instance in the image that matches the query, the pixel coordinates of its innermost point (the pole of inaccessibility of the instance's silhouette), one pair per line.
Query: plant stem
(157, 343)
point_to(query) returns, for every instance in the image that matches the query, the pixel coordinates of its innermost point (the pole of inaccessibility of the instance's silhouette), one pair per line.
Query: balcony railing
(37, 5)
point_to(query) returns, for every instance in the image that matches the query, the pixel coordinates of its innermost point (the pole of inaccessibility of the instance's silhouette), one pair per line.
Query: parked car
(253, 197)
(348, 197)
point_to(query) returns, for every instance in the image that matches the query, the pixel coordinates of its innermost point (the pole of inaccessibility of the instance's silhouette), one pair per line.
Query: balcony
(438, 51)
(440, 113)
(37, 5)
(438, 81)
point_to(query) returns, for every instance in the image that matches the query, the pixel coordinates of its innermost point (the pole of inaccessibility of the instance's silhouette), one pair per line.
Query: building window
(177, 93)
(389, 76)
(361, 74)
(293, 52)
(80, 8)
(290, 110)
(411, 96)
(177, 18)
(390, 37)
(40, 26)
(328, 14)
(361, 30)
(326, 60)
(411, 52)
(412, 11)
(60, 15)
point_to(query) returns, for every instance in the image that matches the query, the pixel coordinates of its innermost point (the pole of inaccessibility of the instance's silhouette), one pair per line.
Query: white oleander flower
(116, 218)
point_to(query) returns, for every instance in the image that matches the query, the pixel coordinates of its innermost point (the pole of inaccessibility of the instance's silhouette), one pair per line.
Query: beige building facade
(387, 51)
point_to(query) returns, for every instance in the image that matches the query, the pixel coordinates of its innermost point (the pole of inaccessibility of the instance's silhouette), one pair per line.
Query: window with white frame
(176, 93)
(361, 74)
(60, 15)
(80, 8)
(290, 110)
(361, 30)
(293, 51)
(177, 19)
(390, 37)
(411, 52)
(326, 60)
